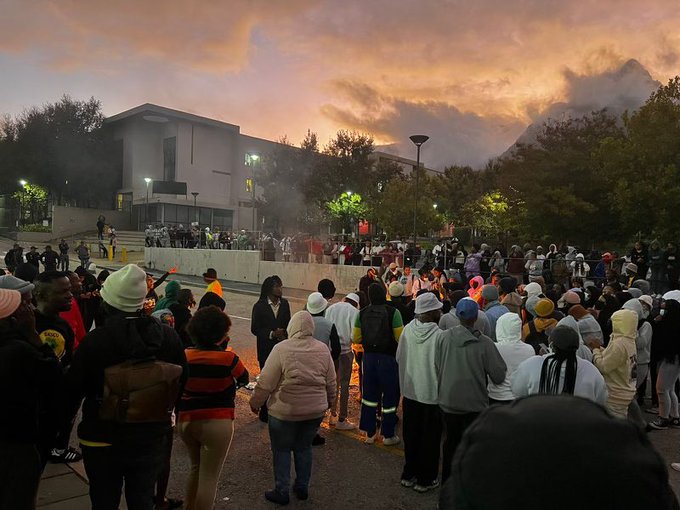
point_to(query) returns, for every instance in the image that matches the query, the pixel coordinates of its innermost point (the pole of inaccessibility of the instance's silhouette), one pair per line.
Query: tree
(32, 200)
(65, 148)
(347, 210)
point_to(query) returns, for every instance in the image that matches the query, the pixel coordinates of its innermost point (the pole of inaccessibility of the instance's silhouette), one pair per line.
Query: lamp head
(419, 139)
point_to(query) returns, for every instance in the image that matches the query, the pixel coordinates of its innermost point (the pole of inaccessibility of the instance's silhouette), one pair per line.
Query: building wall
(67, 221)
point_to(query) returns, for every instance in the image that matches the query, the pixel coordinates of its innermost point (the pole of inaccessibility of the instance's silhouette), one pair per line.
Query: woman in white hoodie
(513, 351)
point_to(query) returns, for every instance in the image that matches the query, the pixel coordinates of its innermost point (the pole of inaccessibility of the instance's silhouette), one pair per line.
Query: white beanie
(125, 289)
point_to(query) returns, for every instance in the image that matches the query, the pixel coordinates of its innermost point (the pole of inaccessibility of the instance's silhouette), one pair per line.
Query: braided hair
(565, 342)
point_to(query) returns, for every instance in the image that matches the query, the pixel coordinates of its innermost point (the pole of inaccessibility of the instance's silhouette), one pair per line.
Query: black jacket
(263, 323)
(30, 379)
(119, 340)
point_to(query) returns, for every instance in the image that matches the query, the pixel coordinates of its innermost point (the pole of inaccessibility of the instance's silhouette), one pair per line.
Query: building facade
(180, 168)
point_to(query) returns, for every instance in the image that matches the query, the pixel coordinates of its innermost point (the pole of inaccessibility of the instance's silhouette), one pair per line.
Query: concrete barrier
(246, 266)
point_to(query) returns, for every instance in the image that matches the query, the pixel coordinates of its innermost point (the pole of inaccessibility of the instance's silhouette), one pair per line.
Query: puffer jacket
(616, 362)
(298, 380)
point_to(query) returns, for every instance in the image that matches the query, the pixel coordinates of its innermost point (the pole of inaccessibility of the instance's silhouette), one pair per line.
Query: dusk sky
(471, 74)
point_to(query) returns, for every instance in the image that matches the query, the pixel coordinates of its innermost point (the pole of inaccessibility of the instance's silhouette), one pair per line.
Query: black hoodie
(119, 340)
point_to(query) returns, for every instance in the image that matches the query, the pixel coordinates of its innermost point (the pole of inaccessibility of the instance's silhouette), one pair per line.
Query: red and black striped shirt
(211, 388)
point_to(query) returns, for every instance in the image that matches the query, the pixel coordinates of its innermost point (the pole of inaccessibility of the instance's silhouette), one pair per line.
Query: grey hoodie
(416, 358)
(463, 361)
(583, 350)
(643, 340)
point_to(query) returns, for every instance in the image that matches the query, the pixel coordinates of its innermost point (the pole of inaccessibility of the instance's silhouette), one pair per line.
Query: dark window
(205, 215)
(169, 158)
(222, 219)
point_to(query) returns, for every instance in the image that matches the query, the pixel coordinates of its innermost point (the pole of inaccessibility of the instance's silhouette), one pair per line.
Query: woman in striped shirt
(206, 410)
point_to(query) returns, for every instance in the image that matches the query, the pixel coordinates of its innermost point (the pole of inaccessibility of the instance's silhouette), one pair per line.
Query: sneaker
(675, 466)
(428, 487)
(318, 440)
(675, 423)
(660, 423)
(345, 425)
(369, 439)
(66, 456)
(391, 441)
(652, 410)
(408, 483)
(277, 497)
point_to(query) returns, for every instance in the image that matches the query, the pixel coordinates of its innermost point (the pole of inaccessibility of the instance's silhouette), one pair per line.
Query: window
(249, 184)
(252, 158)
(169, 158)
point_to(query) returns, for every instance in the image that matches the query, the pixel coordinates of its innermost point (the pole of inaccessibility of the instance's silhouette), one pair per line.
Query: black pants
(422, 429)
(137, 465)
(455, 425)
(20, 469)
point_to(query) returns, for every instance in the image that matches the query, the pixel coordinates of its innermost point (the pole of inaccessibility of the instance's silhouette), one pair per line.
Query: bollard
(110, 253)
(123, 255)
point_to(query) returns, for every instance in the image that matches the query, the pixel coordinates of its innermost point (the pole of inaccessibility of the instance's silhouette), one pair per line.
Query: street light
(418, 140)
(147, 180)
(23, 183)
(434, 206)
(254, 158)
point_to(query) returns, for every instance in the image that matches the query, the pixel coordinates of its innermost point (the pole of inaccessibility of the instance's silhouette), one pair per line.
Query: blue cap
(467, 309)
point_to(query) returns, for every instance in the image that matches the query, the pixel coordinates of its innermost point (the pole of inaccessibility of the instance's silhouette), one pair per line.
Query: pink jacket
(298, 380)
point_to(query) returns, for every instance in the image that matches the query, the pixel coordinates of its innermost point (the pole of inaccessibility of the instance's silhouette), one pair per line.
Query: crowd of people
(446, 349)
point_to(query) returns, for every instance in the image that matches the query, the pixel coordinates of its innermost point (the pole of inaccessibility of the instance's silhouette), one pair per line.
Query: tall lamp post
(254, 158)
(20, 221)
(147, 180)
(418, 140)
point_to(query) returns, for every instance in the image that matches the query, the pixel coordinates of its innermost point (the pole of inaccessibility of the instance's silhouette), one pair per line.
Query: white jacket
(512, 350)
(343, 315)
(416, 359)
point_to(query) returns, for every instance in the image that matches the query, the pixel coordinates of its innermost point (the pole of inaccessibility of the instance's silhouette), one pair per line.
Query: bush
(35, 227)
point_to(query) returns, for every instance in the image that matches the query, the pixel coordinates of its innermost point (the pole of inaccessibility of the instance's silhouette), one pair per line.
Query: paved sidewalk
(63, 487)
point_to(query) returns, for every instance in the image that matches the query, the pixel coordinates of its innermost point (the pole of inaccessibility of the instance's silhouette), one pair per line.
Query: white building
(178, 168)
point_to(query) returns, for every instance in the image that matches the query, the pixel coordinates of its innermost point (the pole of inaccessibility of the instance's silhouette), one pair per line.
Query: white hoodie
(343, 315)
(512, 350)
(416, 358)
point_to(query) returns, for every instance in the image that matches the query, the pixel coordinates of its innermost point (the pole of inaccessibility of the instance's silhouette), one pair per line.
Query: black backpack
(535, 338)
(376, 328)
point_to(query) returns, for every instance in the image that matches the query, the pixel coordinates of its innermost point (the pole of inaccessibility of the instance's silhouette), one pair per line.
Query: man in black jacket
(117, 451)
(269, 320)
(29, 376)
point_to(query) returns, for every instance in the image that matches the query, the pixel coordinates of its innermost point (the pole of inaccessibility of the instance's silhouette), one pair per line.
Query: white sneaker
(675, 466)
(369, 439)
(345, 425)
(332, 419)
(391, 441)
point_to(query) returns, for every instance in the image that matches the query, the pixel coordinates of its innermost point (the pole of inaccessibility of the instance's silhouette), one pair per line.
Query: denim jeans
(137, 465)
(296, 437)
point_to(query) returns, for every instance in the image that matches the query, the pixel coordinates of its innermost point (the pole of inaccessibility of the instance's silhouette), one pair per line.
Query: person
(324, 329)
(181, 310)
(49, 259)
(579, 267)
(298, 382)
(534, 266)
(53, 297)
(672, 263)
(513, 351)
(450, 319)
(492, 308)
(616, 362)
(29, 375)
(508, 296)
(269, 321)
(63, 255)
(656, 264)
(170, 298)
(33, 257)
(560, 371)
(125, 445)
(639, 257)
(343, 315)
(665, 341)
(396, 293)
(25, 288)
(588, 326)
(214, 285)
(74, 315)
(543, 428)
(206, 409)
(327, 289)
(377, 329)
(369, 278)
(423, 282)
(407, 281)
(536, 331)
(465, 358)
(100, 227)
(83, 254)
(418, 382)
(643, 341)
(516, 263)
(212, 299)
(392, 274)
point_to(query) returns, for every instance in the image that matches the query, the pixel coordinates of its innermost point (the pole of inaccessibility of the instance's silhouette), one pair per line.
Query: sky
(470, 74)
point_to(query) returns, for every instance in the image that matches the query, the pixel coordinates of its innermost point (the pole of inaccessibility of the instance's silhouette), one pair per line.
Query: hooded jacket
(298, 380)
(512, 350)
(463, 361)
(617, 361)
(170, 298)
(416, 357)
(513, 302)
(583, 351)
(643, 339)
(450, 320)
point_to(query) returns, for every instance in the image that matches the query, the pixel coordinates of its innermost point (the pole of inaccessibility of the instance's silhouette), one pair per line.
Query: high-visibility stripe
(390, 410)
(369, 403)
